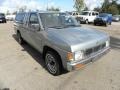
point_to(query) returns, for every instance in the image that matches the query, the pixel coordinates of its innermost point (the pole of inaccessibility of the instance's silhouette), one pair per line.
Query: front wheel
(86, 21)
(53, 63)
(106, 24)
(110, 23)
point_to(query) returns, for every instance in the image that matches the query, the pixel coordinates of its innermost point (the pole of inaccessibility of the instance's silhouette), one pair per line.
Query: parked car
(62, 41)
(103, 19)
(10, 17)
(74, 14)
(116, 18)
(2, 18)
(87, 16)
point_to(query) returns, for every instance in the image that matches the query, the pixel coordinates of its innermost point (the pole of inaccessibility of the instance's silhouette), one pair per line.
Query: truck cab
(88, 16)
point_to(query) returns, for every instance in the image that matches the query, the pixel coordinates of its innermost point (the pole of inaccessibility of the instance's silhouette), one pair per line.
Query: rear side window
(33, 19)
(76, 13)
(20, 17)
(93, 14)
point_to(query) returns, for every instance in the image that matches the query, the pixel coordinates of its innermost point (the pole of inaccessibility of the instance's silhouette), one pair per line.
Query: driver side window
(33, 19)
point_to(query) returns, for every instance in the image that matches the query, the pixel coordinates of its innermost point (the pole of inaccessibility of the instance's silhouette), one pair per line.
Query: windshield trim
(60, 25)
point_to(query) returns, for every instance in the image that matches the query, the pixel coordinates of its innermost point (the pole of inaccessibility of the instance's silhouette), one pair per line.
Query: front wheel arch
(46, 49)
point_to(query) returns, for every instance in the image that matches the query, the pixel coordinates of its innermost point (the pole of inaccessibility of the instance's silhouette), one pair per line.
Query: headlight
(79, 55)
(107, 43)
(75, 56)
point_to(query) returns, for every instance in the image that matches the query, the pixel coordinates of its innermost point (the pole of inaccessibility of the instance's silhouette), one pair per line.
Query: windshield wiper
(66, 26)
(56, 27)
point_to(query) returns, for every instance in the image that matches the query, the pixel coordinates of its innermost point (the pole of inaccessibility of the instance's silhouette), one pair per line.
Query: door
(35, 32)
(25, 29)
(93, 16)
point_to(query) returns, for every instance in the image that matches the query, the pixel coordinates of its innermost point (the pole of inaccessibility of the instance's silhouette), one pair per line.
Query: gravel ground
(22, 68)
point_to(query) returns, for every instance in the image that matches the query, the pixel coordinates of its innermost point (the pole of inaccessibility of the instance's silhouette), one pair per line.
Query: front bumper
(99, 22)
(79, 64)
(2, 20)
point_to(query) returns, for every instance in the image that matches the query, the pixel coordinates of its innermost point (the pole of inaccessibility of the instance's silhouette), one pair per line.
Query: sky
(64, 5)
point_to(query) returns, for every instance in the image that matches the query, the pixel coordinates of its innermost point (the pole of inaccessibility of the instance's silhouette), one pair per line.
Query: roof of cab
(40, 12)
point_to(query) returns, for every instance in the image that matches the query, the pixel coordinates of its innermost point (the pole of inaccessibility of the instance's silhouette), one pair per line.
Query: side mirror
(36, 27)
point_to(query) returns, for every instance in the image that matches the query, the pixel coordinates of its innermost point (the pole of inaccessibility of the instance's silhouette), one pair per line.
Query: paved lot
(22, 68)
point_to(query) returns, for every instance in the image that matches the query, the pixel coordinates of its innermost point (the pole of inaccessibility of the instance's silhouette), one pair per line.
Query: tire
(86, 21)
(110, 23)
(5, 22)
(106, 24)
(53, 64)
(94, 23)
(20, 39)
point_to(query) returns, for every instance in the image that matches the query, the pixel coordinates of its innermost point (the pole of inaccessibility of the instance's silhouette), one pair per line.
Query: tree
(86, 9)
(98, 9)
(14, 13)
(53, 9)
(8, 12)
(110, 7)
(113, 10)
(79, 5)
(119, 8)
(22, 9)
(105, 6)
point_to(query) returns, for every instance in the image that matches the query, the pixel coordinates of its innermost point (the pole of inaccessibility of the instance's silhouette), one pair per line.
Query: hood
(103, 16)
(76, 36)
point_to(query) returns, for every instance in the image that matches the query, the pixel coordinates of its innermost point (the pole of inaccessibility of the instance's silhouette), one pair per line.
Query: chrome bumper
(79, 64)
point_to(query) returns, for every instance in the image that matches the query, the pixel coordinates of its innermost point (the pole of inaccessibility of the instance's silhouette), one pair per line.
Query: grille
(99, 19)
(94, 49)
(81, 18)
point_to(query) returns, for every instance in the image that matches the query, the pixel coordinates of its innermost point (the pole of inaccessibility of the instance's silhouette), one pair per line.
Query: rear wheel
(94, 23)
(20, 39)
(53, 63)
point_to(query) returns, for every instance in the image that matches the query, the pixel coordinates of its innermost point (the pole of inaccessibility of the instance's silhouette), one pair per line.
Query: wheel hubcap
(51, 64)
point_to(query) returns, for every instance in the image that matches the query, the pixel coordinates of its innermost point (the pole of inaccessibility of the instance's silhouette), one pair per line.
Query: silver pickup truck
(64, 44)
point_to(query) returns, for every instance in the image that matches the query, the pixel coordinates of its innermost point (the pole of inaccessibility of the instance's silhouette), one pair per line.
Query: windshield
(84, 13)
(57, 20)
